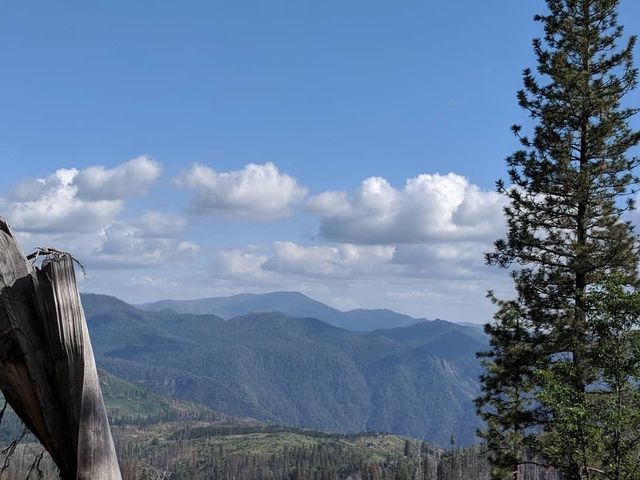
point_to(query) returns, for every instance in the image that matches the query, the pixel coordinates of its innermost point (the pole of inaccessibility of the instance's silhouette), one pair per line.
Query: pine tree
(506, 402)
(570, 186)
(615, 400)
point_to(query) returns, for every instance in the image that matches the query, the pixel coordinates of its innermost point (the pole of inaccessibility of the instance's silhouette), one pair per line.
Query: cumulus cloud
(240, 263)
(51, 205)
(428, 208)
(72, 200)
(130, 179)
(449, 260)
(257, 192)
(161, 225)
(78, 211)
(130, 245)
(330, 261)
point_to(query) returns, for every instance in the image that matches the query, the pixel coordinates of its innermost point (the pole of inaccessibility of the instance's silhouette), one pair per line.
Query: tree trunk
(47, 368)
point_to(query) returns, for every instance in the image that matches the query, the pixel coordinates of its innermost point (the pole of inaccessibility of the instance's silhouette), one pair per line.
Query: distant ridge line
(291, 303)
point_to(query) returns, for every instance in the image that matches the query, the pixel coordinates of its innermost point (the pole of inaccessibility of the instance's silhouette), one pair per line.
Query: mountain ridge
(291, 303)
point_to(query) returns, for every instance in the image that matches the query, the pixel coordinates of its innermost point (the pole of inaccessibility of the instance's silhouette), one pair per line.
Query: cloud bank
(429, 208)
(417, 248)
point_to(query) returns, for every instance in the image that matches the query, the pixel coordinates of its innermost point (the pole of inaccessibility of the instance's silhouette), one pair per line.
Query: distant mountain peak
(107, 301)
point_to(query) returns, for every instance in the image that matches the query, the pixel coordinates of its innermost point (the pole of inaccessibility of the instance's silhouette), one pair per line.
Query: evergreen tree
(506, 401)
(614, 403)
(570, 186)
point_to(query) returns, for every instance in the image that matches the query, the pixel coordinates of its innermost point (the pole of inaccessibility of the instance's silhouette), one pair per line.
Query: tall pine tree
(570, 186)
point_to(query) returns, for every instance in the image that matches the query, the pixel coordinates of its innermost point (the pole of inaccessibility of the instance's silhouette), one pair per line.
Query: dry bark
(47, 368)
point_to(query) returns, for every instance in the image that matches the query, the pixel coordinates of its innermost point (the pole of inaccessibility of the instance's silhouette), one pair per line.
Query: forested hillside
(418, 381)
(158, 436)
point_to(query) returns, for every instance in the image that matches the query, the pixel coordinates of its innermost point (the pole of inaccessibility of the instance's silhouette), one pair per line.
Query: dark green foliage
(506, 404)
(298, 371)
(571, 185)
(131, 404)
(601, 425)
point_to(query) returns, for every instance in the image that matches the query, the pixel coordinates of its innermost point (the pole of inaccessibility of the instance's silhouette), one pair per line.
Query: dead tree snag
(47, 368)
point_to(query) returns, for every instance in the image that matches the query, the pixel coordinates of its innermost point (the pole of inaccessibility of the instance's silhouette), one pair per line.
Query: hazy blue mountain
(291, 303)
(366, 319)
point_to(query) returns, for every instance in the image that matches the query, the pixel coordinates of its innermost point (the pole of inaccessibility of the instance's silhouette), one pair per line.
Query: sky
(344, 149)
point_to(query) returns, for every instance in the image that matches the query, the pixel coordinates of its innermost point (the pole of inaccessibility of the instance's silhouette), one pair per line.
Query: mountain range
(294, 304)
(417, 380)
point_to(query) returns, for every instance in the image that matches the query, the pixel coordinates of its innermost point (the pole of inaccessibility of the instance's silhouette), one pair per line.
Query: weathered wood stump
(47, 368)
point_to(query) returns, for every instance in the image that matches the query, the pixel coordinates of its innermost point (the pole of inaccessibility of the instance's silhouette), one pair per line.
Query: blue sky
(319, 96)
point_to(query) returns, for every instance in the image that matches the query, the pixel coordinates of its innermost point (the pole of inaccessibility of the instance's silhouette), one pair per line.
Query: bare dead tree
(47, 367)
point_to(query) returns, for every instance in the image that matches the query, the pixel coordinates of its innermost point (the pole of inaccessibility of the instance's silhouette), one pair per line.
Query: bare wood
(47, 368)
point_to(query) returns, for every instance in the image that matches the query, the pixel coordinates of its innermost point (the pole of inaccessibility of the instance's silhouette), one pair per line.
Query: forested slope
(298, 371)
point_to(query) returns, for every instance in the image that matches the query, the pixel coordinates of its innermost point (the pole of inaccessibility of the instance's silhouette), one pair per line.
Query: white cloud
(257, 192)
(149, 282)
(77, 211)
(463, 261)
(449, 260)
(186, 247)
(285, 260)
(130, 245)
(161, 225)
(428, 208)
(51, 205)
(434, 283)
(72, 200)
(327, 261)
(130, 179)
(239, 262)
